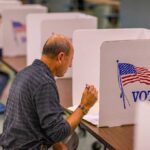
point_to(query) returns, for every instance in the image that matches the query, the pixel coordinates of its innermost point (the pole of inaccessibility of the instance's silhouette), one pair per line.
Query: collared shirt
(34, 115)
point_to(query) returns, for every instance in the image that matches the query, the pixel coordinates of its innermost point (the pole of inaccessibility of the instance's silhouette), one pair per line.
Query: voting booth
(4, 5)
(141, 133)
(124, 80)
(40, 27)
(14, 28)
(89, 55)
(8, 4)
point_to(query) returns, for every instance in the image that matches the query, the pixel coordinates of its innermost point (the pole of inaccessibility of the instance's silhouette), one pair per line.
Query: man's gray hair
(56, 44)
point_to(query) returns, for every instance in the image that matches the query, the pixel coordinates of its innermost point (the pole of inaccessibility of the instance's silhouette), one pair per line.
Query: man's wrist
(83, 108)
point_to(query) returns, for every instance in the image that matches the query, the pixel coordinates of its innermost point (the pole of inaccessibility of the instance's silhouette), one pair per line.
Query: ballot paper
(92, 116)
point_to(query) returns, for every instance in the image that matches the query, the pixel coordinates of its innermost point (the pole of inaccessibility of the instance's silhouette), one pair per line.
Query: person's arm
(50, 113)
(89, 98)
(60, 146)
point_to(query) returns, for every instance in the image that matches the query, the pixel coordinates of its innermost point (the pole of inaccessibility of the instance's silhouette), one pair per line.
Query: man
(34, 117)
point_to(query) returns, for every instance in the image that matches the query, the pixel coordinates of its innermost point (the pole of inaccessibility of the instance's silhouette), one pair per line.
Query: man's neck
(49, 62)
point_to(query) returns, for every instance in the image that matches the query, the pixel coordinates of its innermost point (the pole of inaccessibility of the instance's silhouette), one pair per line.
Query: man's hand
(60, 146)
(89, 96)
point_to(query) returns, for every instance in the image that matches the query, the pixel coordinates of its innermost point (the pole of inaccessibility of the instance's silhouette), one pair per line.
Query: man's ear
(60, 57)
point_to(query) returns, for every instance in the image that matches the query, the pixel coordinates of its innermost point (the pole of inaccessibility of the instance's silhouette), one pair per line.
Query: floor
(87, 141)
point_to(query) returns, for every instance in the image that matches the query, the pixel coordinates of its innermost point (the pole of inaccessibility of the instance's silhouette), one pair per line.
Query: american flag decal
(128, 73)
(19, 29)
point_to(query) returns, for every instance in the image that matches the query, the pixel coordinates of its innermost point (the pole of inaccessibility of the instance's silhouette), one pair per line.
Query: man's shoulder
(36, 74)
(27, 70)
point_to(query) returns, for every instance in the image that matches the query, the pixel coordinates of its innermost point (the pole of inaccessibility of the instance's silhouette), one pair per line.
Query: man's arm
(89, 98)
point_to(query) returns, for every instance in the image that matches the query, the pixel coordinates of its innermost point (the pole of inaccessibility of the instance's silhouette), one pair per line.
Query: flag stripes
(130, 74)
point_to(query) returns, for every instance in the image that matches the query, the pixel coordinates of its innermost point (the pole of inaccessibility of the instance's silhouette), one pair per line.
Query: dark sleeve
(50, 113)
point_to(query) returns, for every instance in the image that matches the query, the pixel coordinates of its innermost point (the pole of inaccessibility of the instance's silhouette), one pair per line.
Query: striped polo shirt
(34, 115)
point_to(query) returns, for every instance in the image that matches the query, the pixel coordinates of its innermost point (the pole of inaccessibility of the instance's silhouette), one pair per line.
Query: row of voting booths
(116, 61)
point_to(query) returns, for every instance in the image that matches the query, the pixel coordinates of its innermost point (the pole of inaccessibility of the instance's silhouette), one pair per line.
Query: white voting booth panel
(9, 0)
(14, 28)
(124, 80)
(5, 5)
(42, 26)
(87, 54)
(87, 45)
(9, 3)
(142, 135)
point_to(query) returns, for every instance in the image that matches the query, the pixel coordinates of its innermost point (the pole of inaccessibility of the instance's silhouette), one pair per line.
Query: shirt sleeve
(50, 113)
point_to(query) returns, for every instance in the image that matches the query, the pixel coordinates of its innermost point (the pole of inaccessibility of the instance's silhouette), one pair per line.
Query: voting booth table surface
(14, 28)
(40, 27)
